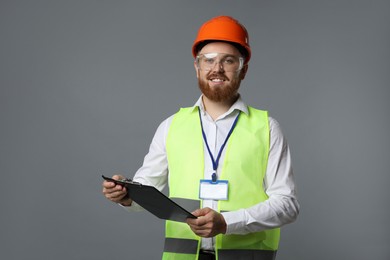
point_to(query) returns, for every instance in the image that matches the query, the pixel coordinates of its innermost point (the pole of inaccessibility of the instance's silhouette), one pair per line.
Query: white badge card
(209, 190)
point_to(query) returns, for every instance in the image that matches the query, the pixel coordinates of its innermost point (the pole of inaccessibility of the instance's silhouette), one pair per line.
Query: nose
(218, 67)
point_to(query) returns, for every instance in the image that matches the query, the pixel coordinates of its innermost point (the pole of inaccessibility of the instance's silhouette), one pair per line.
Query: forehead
(221, 47)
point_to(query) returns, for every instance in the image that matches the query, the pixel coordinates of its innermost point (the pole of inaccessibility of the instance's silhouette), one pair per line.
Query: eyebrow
(224, 54)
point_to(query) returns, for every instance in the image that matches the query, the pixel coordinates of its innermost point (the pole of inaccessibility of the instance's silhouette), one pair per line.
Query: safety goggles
(215, 60)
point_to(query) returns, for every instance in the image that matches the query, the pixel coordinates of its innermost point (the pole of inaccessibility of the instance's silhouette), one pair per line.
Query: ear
(243, 71)
(196, 69)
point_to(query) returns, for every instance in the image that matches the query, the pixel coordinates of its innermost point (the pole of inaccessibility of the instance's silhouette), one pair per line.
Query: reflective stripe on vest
(232, 254)
(244, 165)
(182, 246)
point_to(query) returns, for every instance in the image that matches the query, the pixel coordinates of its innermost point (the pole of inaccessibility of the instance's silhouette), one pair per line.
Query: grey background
(84, 85)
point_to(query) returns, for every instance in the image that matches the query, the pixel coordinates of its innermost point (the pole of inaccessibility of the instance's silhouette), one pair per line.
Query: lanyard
(216, 162)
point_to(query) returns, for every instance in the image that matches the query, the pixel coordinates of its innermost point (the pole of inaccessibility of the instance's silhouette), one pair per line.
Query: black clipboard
(153, 200)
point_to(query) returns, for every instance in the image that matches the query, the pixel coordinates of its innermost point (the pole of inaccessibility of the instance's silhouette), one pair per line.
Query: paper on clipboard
(154, 201)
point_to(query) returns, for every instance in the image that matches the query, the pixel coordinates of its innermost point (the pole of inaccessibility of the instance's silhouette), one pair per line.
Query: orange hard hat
(223, 28)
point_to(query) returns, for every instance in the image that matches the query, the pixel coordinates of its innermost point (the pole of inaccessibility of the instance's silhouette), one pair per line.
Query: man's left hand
(208, 224)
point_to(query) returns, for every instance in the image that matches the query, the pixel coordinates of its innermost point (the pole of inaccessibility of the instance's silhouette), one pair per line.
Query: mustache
(217, 75)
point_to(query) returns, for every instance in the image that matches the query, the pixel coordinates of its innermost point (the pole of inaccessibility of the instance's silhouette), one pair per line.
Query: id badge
(209, 190)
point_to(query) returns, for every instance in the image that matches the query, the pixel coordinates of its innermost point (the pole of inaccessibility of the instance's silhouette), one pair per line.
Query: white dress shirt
(279, 209)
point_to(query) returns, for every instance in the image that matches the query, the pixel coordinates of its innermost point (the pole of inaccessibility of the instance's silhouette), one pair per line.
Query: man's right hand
(116, 193)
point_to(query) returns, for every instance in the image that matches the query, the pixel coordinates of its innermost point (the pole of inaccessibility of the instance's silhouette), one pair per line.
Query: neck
(216, 109)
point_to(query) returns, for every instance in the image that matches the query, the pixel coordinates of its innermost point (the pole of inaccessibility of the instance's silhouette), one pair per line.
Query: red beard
(219, 94)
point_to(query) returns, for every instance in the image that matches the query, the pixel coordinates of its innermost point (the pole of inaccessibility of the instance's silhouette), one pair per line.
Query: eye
(209, 60)
(229, 61)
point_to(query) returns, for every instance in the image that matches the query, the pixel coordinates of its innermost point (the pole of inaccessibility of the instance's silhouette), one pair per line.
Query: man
(240, 149)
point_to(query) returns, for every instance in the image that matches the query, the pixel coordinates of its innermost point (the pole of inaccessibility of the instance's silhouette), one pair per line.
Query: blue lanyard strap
(216, 162)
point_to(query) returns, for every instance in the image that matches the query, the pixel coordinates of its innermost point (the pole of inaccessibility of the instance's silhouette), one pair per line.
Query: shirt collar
(238, 105)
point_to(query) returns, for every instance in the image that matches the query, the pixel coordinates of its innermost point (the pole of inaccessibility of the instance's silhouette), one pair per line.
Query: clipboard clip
(122, 182)
(130, 181)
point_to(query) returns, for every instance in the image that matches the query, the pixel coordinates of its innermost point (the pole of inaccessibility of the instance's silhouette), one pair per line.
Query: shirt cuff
(235, 222)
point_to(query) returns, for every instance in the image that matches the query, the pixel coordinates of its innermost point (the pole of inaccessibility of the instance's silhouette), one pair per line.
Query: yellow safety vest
(244, 166)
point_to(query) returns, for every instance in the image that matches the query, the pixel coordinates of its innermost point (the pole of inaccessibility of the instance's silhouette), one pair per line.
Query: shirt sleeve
(282, 206)
(154, 170)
